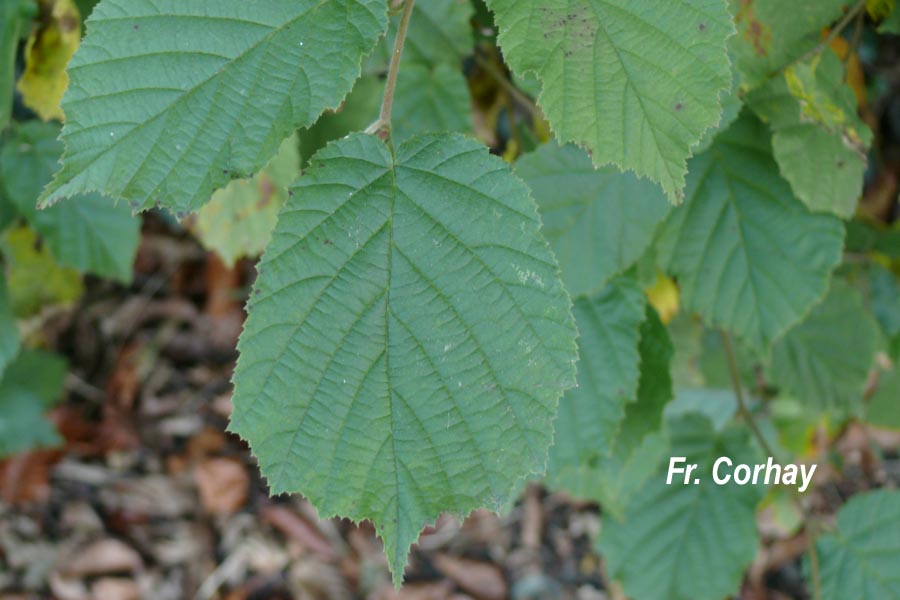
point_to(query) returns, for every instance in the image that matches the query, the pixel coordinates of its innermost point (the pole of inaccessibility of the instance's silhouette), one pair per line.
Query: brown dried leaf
(102, 557)
(482, 580)
(223, 485)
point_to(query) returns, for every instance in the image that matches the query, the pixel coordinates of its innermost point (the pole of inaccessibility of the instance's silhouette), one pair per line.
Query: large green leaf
(687, 542)
(860, 559)
(408, 339)
(599, 221)
(819, 141)
(89, 232)
(608, 371)
(30, 385)
(825, 360)
(748, 256)
(768, 40)
(169, 100)
(637, 83)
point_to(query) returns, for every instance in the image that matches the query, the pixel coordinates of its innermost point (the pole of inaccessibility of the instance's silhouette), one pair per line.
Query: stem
(382, 127)
(514, 92)
(841, 25)
(757, 433)
(739, 392)
(814, 564)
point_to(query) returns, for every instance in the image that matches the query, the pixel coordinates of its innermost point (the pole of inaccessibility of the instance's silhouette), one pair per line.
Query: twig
(382, 127)
(841, 25)
(507, 85)
(739, 392)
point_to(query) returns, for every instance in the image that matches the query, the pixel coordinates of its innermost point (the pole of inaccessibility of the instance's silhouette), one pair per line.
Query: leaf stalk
(382, 126)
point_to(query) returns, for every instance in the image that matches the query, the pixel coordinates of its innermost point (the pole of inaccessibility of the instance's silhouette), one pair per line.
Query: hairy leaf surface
(169, 100)
(599, 221)
(860, 559)
(748, 256)
(685, 542)
(637, 83)
(408, 339)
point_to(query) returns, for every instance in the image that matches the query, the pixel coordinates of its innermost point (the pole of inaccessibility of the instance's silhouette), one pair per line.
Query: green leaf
(595, 472)
(440, 32)
(34, 279)
(885, 299)
(9, 331)
(767, 41)
(599, 221)
(169, 100)
(883, 408)
(732, 104)
(689, 542)
(89, 232)
(408, 338)
(636, 83)
(860, 559)
(30, 385)
(891, 25)
(748, 256)
(819, 141)
(825, 360)
(609, 368)
(359, 110)
(239, 219)
(430, 99)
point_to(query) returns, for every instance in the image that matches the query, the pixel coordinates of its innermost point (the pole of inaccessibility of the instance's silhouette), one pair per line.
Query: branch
(739, 392)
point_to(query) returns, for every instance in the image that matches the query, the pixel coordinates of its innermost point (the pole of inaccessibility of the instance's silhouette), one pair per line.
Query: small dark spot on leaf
(328, 242)
(702, 26)
(290, 192)
(136, 27)
(679, 106)
(840, 163)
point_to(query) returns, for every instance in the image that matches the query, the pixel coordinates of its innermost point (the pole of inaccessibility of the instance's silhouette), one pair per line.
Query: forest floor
(151, 499)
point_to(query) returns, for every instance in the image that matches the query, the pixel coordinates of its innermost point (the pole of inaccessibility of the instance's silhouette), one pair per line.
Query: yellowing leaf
(663, 296)
(47, 53)
(879, 9)
(239, 219)
(35, 280)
